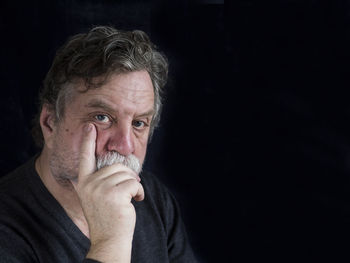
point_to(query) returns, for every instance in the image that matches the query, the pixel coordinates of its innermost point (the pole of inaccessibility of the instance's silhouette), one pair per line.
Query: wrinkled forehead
(134, 89)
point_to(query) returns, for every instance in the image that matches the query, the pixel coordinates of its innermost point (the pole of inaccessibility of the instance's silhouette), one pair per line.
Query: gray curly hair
(101, 52)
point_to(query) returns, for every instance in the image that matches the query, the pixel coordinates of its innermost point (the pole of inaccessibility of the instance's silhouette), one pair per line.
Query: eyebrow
(99, 104)
(96, 103)
(146, 114)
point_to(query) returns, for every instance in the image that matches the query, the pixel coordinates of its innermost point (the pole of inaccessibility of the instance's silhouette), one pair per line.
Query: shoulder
(14, 247)
(155, 188)
(16, 188)
(166, 206)
(151, 181)
(158, 196)
(19, 178)
(14, 195)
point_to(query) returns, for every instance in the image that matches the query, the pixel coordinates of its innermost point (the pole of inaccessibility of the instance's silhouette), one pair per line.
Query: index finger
(87, 164)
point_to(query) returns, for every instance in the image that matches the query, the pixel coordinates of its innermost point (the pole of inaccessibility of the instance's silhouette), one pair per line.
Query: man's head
(110, 78)
(92, 58)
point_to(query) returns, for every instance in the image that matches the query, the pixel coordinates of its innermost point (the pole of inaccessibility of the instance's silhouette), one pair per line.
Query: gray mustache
(130, 161)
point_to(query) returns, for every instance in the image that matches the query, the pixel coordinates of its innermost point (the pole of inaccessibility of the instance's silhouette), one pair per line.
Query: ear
(48, 124)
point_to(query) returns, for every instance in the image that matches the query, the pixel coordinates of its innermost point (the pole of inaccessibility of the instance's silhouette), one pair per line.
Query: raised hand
(105, 197)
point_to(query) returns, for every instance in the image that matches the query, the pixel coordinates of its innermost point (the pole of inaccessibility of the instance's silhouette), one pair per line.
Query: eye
(102, 118)
(139, 124)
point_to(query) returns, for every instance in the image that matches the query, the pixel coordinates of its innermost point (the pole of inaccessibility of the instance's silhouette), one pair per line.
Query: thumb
(87, 164)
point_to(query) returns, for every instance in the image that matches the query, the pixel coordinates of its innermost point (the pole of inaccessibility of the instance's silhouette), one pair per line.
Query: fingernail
(138, 178)
(87, 128)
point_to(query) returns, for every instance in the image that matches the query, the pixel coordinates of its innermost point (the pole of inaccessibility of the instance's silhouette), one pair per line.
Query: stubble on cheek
(64, 166)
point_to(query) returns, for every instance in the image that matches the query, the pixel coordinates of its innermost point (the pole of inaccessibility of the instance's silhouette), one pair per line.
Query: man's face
(121, 110)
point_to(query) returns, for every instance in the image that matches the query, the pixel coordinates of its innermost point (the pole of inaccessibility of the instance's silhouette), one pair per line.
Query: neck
(63, 193)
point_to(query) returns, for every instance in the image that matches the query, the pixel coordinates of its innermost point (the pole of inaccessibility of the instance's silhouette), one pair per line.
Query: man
(84, 198)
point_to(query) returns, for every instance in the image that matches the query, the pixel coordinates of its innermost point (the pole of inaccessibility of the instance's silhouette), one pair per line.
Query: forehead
(128, 92)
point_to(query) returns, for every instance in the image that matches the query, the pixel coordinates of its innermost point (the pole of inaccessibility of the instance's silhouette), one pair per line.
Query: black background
(189, 152)
(291, 75)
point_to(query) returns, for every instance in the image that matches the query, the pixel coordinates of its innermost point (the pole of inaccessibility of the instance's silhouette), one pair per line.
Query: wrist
(111, 251)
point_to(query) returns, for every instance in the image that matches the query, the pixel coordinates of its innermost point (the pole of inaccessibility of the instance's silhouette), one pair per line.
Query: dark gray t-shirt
(35, 228)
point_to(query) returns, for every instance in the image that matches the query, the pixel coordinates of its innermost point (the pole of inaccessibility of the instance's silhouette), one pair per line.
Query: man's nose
(121, 139)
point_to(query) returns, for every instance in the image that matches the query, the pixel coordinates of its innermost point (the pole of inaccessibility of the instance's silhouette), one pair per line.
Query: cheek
(101, 141)
(71, 139)
(141, 148)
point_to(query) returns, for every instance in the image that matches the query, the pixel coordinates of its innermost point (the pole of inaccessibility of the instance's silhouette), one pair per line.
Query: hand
(105, 197)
